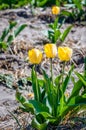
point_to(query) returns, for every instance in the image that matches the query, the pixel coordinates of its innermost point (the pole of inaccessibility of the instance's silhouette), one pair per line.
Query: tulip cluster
(51, 51)
(50, 103)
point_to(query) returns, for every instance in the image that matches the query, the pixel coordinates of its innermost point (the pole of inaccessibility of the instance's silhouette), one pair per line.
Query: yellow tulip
(55, 10)
(35, 56)
(50, 50)
(64, 53)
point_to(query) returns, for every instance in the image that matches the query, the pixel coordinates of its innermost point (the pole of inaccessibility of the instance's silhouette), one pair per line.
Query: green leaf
(19, 29)
(39, 107)
(76, 89)
(65, 33)
(12, 24)
(57, 80)
(39, 126)
(50, 89)
(81, 77)
(66, 81)
(56, 35)
(3, 45)
(77, 101)
(57, 3)
(78, 4)
(47, 115)
(35, 85)
(28, 107)
(51, 25)
(67, 13)
(51, 35)
(20, 98)
(47, 81)
(7, 30)
(10, 39)
(4, 34)
(41, 3)
(55, 25)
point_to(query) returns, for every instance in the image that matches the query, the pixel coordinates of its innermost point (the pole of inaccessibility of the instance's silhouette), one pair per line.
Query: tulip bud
(50, 50)
(55, 10)
(64, 53)
(35, 56)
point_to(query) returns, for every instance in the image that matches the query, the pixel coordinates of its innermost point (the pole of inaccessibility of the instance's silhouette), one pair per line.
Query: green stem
(37, 86)
(63, 67)
(51, 70)
(85, 67)
(36, 82)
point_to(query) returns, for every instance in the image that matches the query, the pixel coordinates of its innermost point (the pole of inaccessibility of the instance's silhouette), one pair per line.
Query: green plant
(54, 33)
(82, 77)
(10, 82)
(50, 105)
(7, 80)
(12, 3)
(9, 34)
(75, 11)
(4, 6)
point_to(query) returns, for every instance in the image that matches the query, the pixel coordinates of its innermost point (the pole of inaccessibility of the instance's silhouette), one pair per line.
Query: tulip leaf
(67, 13)
(65, 33)
(76, 89)
(35, 85)
(38, 106)
(3, 45)
(28, 107)
(66, 81)
(19, 29)
(57, 80)
(55, 23)
(7, 30)
(81, 77)
(19, 97)
(39, 126)
(47, 115)
(56, 35)
(41, 3)
(77, 100)
(10, 38)
(78, 4)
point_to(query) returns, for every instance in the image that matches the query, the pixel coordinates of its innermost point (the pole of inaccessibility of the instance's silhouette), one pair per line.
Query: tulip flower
(64, 53)
(50, 50)
(55, 10)
(35, 56)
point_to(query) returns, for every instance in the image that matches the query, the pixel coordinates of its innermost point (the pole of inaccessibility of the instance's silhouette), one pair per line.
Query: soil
(14, 61)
